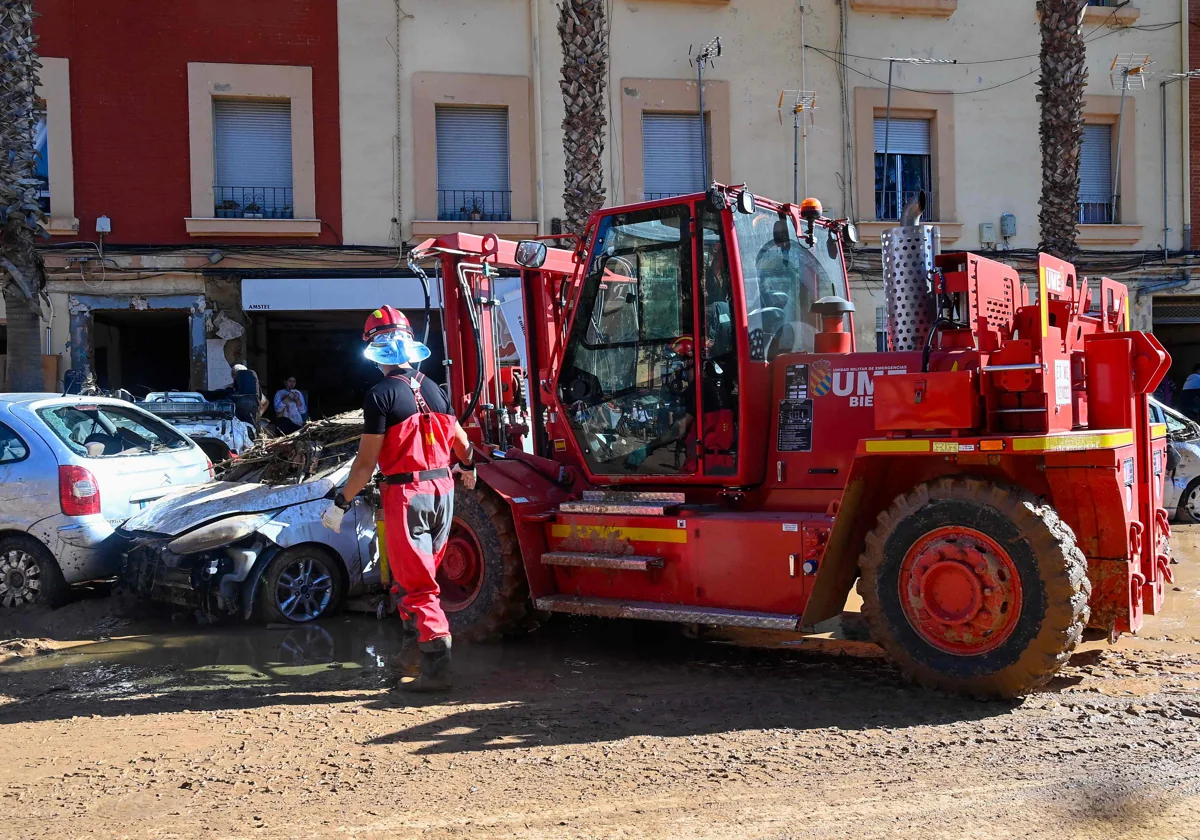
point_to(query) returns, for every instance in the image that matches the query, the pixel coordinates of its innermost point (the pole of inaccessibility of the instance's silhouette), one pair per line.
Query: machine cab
(680, 306)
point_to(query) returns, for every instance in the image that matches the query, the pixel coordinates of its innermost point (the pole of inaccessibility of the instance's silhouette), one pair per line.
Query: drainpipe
(1186, 157)
(536, 50)
(1162, 87)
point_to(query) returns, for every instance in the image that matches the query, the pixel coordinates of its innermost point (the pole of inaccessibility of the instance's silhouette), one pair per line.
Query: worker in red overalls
(409, 430)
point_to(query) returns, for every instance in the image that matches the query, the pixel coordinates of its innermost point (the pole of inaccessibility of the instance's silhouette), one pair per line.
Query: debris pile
(293, 458)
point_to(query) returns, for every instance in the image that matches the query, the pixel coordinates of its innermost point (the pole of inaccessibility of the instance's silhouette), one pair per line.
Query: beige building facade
(401, 62)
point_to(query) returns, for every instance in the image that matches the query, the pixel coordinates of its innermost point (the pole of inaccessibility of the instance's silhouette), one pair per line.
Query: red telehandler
(695, 438)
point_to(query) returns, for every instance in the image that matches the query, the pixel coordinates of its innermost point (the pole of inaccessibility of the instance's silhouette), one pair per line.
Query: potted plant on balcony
(253, 211)
(476, 210)
(228, 207)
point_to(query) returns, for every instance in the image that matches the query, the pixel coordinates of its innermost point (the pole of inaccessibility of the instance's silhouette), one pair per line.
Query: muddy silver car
(234, 549)
(1181, 491)
(71, 470)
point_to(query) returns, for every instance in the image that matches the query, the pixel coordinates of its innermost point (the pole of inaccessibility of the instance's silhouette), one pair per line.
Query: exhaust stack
(908, 252)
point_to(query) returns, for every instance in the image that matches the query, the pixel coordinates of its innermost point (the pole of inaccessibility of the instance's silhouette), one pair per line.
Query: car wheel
(300, 585)
(29, 574)
(1189, 502)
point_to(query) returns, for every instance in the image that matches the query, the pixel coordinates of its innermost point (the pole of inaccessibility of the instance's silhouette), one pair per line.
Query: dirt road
(588, 729)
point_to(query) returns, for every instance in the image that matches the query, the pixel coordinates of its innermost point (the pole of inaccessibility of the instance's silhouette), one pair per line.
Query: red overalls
(419, 513)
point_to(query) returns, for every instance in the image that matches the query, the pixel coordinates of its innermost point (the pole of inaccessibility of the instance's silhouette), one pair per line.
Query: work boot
(435, 667)
(407, 662)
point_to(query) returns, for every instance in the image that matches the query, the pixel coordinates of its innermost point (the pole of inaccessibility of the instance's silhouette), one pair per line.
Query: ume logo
(859, 385)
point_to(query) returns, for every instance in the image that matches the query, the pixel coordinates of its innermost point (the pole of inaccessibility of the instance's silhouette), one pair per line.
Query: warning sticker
(795, 386)
(1062, 381)
(945, 446)
(795, 426)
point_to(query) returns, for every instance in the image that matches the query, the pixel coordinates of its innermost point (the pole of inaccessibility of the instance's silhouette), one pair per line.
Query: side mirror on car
(530, 254)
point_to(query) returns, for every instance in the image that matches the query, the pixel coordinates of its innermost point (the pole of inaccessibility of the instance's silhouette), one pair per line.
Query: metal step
(585, 559)
(623, 503)
(651, 611)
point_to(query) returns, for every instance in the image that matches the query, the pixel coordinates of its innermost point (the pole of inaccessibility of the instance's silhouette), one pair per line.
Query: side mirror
(745, 202)
(850, 235)
(530, 253)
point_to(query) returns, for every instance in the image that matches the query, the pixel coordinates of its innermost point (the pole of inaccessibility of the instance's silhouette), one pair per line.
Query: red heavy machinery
(703, 443)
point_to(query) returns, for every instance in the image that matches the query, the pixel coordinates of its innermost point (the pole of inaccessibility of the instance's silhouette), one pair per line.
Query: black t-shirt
(391, 402)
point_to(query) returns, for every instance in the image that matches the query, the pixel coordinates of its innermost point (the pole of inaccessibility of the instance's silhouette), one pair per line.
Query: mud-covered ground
(587, 729)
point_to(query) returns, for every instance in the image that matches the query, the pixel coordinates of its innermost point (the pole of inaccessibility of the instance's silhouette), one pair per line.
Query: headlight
(219, 533)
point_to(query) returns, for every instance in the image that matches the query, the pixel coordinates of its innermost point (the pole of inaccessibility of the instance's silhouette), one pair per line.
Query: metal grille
(1182, 310)
(908, 254)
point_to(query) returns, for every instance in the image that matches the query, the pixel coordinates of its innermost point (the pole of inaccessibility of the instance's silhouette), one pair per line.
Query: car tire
(1189, 502)
(29, 574)
(311, 575)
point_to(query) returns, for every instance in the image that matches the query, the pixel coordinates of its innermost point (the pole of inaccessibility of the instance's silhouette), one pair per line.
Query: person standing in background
(290, 407)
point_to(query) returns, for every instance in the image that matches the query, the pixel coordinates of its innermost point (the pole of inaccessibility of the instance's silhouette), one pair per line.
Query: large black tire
(29, 574)
(285, 571)
(501, 605)
(1051, 572)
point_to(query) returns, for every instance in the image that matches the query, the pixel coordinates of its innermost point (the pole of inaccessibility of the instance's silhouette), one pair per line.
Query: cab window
(783, 277)
(626, 382)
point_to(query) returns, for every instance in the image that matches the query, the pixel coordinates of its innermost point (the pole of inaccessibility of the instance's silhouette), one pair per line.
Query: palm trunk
(22, 273)
(1064, 77)
(584, 32)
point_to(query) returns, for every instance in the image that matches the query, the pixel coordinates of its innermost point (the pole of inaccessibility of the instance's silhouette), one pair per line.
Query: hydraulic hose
(416, 269)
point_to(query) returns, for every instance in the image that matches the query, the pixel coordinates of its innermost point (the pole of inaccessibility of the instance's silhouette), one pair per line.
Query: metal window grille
(880, 329)
(909, 166)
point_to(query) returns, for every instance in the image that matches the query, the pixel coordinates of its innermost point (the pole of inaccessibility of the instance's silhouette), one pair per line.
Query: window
(12, 448)
(472, 164)
(252, 157)
(627, 380)
(880, 329)
(672, 161)
(719, 378)
(1096, 176)
(783, 277)
(97, 430)
(907, 168)
(41, 145)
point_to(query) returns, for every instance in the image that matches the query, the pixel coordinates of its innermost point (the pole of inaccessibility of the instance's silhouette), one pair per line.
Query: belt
(414, 477)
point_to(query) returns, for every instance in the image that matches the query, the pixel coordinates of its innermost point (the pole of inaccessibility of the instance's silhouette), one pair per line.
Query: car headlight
(219, 533)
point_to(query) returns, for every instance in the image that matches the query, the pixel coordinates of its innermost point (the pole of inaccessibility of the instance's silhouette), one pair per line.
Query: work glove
(466, 476)
(332, 518)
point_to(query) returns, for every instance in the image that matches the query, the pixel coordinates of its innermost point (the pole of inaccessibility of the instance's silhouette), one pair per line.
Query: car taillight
(77, 491)
(211, 474)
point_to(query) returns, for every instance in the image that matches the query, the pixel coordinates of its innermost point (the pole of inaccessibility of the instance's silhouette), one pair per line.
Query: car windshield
(95, 431)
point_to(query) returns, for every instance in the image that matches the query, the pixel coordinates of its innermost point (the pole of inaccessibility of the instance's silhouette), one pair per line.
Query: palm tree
(1064, 76)
(22, 272)
(584, 32)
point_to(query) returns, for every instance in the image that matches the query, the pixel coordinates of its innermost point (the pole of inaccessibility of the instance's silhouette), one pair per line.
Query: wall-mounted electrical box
(1008, 225)
(103, 225)
(987, 233)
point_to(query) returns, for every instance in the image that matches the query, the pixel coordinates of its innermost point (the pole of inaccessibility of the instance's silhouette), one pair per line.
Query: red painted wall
(129, 109)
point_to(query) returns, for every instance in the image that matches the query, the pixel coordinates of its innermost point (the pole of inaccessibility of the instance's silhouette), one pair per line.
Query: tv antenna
(1128, 72)
(887, 122)
(799, 103)
(702, 58)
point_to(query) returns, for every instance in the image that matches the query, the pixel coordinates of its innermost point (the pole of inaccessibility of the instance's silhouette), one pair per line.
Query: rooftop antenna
(799, 102)
(1128, 71)
(887, 123)
(704, 58)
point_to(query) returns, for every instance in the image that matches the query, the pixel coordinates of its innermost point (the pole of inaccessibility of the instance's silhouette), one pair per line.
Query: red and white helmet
(390, 339)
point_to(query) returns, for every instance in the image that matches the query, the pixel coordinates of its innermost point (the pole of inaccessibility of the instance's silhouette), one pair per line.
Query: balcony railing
(889, 204)
(1096, 210)
(253, 202)
(656, 196)
(474, 205)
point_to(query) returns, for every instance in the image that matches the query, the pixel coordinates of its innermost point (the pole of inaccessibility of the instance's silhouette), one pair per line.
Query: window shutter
(472, 148)
(253, 144)
(1095, 165)
(904, 137)
(672, 163)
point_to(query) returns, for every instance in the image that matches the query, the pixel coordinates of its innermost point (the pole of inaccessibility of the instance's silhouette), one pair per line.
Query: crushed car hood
(173, 515)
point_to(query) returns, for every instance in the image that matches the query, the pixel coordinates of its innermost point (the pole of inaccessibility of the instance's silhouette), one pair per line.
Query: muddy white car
(240, 549)
(1181, 491)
